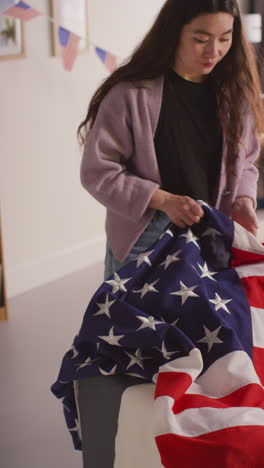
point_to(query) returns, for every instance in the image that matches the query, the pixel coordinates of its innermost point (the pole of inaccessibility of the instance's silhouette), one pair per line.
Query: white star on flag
(210, 337)
(175, 322)
(185, 292)
(112, 371)
(133, 374)
(147, 288)
(144, 257)
(64, 406)
(111, 338)
(104, 308)
(211, 232)
(171, 259)
(206, 273)
(220, 303)
(75, 353)
(118, 283)
(166, 354)
(148, 322)
(77, 427)
(136, 358)
(61, 397)
(168, 231)
(87, 362)
(190, 237)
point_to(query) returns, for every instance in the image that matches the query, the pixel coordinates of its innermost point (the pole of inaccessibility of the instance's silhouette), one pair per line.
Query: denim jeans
(153, 231)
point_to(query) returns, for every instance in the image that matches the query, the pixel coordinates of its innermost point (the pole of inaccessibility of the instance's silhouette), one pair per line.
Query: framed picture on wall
(71, 15)
(11, 38)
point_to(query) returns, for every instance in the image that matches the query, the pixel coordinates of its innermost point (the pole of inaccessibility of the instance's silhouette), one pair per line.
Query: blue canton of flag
(178, 304)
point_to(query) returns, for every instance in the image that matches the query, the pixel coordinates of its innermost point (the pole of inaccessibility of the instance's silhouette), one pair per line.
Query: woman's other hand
(243, 213)
(182, 210)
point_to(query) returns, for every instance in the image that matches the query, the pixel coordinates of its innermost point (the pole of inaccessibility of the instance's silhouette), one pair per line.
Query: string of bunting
(68, 41)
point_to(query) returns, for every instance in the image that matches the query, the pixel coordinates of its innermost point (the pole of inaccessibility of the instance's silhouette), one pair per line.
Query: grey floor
(40, 329)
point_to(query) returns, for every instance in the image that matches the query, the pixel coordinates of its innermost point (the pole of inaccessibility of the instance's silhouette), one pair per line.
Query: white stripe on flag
(226, 375)
(244, 240)
(246, 271)
(198, 421)
(258, 326)
(191, 365)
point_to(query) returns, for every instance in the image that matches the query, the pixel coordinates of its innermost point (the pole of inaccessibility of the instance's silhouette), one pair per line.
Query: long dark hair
(235, 77)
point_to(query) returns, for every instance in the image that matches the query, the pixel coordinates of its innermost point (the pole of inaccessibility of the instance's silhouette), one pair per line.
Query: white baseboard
(46, 269)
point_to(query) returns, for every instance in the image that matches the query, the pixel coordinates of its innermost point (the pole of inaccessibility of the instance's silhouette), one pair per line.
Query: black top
(188, 139)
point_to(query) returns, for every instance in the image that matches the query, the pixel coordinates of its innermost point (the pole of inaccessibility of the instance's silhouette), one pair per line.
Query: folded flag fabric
(188, 315)
(22, 11)
(109, 60)
(69, 43)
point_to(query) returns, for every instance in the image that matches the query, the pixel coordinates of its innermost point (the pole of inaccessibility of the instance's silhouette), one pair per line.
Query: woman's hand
(243, 213)
(182, 210)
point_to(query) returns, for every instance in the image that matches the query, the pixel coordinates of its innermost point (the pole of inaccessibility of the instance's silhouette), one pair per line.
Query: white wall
(50, 225)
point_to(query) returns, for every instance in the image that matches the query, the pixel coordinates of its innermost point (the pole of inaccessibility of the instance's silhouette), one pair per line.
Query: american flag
(69, 43)
(188, 315)
(22, 11)
(109, 60)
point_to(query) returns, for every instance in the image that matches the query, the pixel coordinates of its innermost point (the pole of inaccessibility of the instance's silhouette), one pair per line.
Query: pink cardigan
(119, 166)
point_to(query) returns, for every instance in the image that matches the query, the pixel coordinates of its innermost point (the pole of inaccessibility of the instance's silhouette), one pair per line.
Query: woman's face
(203, 43)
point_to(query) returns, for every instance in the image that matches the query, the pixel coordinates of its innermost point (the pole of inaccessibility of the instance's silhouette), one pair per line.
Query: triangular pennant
(109, 60)
(101, 54)
(22, 11)
(69, 43)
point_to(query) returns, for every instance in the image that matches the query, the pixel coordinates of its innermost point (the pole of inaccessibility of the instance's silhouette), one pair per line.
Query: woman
(177, 123)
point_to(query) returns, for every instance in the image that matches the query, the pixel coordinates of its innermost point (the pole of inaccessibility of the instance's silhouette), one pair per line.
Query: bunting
(68, 41)
(22, 11)
(109, 60)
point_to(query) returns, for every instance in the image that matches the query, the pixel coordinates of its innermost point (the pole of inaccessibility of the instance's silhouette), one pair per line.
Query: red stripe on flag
(254, 287)
(251, 395)
(258, 360)
(172, 384)
(234, 447)
(243, 257)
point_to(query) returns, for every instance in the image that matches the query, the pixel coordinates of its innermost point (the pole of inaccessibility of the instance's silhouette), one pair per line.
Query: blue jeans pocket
(147, 238)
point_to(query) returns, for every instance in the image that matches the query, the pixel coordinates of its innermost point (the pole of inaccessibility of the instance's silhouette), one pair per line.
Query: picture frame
(72, 16)
(12, 38)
